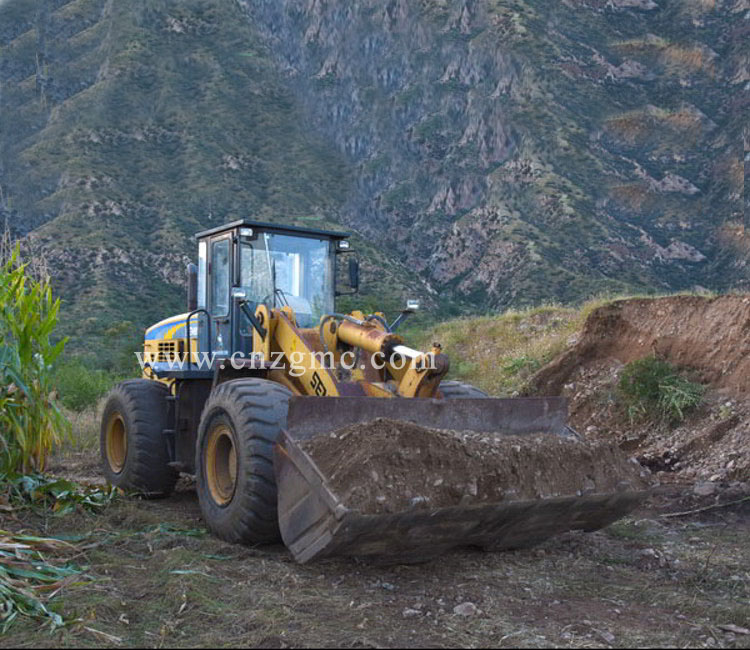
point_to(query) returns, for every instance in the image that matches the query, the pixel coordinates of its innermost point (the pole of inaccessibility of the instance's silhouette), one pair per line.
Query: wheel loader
(262, 362)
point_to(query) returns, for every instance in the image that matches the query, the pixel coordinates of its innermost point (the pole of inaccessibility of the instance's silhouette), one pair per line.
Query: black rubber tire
(142, 405)
(255, 411)
(460, 390)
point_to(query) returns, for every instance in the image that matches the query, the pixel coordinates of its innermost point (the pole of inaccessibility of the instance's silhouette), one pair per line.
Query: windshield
(283, 270)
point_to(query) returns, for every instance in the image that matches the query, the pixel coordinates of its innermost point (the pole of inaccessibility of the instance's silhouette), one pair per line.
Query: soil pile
(388, 466)
(709, 340)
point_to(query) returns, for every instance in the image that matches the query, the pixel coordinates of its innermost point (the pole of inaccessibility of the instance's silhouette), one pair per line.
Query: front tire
(236, 483)
(133, 449)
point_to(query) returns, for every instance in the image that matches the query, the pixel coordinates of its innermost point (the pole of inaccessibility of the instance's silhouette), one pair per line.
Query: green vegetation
(30, 419)
(80, 386)
(654, 389)
(41, 493)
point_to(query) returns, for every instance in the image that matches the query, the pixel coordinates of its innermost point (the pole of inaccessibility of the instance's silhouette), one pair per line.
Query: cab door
(219, 292)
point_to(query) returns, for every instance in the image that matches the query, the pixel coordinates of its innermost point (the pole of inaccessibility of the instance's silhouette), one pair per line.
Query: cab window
(220, 278)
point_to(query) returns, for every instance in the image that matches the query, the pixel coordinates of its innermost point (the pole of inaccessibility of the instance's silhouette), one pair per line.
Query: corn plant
(30, 421)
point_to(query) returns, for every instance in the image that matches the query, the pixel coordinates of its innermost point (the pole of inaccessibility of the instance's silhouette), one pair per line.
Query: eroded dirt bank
(707, 339)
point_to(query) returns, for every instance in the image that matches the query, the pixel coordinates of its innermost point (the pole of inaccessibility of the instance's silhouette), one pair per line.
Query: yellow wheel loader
(262, 363)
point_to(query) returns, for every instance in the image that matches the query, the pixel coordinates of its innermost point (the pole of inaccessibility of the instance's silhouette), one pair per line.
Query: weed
(653, 389)
(521, 364)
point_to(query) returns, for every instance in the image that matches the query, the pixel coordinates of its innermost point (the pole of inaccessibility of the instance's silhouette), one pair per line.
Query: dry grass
(677, 59)
(636, 128)
(633, 196)
(630, 127)
(85, 425)
(681, 59)
(736, 174)
(499, 353)
(736, 235)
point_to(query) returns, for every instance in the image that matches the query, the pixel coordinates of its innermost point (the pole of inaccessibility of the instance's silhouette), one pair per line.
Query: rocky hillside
(487, 152)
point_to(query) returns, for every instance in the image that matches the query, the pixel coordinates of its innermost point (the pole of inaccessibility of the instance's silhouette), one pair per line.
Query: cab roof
(298, 230)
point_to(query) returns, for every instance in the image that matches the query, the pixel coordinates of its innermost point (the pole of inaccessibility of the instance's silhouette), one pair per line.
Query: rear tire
(460, 390)
(235, 476)
(133, 449)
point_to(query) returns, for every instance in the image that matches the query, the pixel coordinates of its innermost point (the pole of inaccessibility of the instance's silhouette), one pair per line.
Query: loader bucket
(315, 522)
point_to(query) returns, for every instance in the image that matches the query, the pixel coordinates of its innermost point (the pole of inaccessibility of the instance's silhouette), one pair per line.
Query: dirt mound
(390, 466)
(708, 335)
(709, 339)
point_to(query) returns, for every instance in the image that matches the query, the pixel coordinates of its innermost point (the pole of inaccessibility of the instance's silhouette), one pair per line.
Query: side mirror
(192, 287)
(354, 274)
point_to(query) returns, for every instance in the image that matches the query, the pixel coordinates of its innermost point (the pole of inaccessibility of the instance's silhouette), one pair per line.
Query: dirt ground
(157, 579)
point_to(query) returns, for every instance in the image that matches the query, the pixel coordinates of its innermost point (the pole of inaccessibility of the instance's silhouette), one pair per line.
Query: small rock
(465, 609)
(388, 586)
(704, 489)
(438, 482)
(607, 637)
(735, 629)
(410, 613)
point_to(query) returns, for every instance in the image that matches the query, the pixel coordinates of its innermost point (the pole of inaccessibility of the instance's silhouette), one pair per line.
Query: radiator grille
(167, 351)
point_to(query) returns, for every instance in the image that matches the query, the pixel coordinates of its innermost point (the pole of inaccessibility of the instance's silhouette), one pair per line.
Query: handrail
(198, 340)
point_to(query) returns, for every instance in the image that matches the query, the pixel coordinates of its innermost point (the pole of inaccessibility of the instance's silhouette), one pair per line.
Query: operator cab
(253, 262)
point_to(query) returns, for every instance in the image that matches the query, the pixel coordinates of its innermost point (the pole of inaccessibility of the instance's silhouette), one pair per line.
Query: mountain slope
(531, 150)
(141, 124)
(488, 152)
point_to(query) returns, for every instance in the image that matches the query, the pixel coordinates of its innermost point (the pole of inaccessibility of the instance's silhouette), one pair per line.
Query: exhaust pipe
(192, 287)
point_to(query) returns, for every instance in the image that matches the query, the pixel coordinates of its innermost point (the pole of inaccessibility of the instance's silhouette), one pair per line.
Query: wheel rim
(117, 443)
(221, 464)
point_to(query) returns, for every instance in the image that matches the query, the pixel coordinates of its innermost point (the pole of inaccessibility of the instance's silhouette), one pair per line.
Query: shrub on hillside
(80, 386)
(653, 388)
